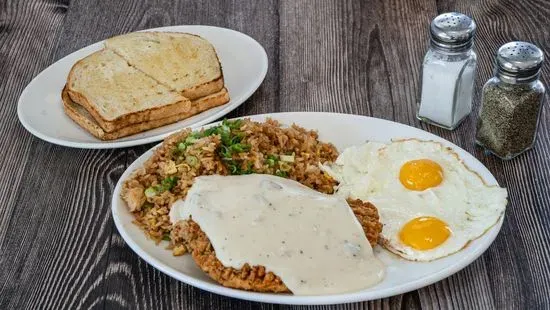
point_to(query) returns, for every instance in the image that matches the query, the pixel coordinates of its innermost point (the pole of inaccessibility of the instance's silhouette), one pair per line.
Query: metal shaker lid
(452, 31)
(519, 60)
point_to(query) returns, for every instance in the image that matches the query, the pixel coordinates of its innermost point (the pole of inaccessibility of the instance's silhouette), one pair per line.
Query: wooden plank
(343, 57)
(58, 245)
(28, 33)
(363, 58)
(514, 266)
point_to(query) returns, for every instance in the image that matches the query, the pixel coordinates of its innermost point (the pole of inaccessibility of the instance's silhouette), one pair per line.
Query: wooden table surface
(59, 248)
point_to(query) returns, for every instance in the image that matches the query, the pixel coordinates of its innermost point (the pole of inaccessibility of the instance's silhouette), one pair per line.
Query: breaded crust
(255, 278)
(368, 217)
(248, 278)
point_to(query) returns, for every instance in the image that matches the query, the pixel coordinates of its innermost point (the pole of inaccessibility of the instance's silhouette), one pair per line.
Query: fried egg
(430, 204)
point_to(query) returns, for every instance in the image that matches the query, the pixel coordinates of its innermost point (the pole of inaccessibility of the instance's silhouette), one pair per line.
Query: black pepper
(508, 118)
(511, 101)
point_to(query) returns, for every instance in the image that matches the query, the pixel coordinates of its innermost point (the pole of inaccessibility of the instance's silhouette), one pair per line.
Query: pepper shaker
(511, 101)
(448, 71)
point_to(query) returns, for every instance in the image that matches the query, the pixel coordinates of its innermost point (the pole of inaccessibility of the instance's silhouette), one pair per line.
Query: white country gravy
(311, 240)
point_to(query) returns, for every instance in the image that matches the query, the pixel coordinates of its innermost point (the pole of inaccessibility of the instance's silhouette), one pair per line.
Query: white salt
(446, 91)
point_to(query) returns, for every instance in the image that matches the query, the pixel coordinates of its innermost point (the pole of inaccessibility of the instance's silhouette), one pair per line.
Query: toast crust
(122, 121)
(204, 89)
(89, 123)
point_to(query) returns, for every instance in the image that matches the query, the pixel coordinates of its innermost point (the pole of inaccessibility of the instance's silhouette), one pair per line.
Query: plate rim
(360, 296)
(114, 144)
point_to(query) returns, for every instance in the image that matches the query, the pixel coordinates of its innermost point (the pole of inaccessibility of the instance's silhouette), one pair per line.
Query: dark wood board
(59, 248)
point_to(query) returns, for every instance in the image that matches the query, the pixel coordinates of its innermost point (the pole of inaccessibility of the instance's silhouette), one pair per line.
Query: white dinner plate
(40, 110)
(342, 130)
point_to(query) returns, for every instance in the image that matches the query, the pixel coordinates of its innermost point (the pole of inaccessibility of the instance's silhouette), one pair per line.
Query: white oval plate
(244, 63)
(342, 130)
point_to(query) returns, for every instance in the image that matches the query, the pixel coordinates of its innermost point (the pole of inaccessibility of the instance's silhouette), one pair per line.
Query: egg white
(463, 201)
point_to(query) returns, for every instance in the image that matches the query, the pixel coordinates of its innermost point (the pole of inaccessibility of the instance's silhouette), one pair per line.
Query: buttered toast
(118, 95)
(141, 81)
(184, 62)
(82, 117)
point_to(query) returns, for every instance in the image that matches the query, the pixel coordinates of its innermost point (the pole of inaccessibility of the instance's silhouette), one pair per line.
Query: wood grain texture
(58, 245)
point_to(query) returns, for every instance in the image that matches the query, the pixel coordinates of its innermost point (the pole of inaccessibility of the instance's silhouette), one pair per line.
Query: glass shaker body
(447, 87)
(509, 116)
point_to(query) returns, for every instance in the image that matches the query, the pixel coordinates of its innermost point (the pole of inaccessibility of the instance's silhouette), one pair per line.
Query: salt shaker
(511, 101)
(448, 71)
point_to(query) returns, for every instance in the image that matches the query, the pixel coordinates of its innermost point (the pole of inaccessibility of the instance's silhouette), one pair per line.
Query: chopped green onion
(284, 166)
(168, 183)
(225, 128)
(166, 237)
(182, 146)
(209, 131)
(271, 160)
(233, 169)
(239, 147)
(225, 152)
(150, 192)
(282, 174)
(230, 144)
(248, 169)
(225, 137)
(191, 139)
(193, 161)
(235, 124)
(236, 139)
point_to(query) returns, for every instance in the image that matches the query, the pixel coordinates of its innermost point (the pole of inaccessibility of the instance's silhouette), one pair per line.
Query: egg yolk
(424, 233)
(420, 174)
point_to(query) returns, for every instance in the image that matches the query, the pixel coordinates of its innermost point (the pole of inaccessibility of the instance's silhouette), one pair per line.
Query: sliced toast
(81, 116)
(183, 62)
(116, 94)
